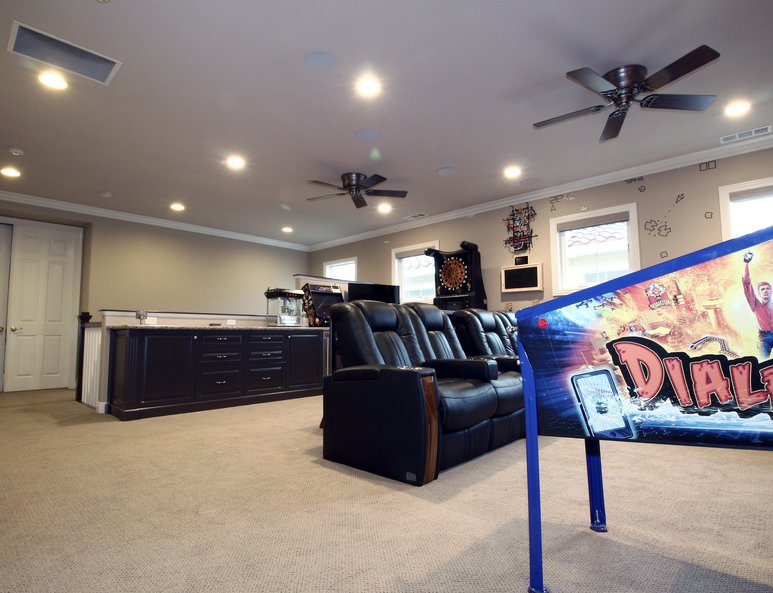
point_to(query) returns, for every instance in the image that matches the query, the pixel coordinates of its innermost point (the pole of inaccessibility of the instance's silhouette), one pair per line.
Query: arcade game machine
(458, 278)
(675, 353)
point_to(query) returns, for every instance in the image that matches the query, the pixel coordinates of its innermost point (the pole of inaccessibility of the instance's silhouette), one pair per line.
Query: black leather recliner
(442, 341)
(488, 333)
(395, 409)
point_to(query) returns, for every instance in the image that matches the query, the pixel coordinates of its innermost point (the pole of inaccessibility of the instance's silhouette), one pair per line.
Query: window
(745, 207)
(342, 269)
(593, 247)
(414, 273)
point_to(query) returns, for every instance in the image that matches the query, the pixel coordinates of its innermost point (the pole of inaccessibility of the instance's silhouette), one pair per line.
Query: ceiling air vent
(415, 216)
(40, 46)
(745, 135)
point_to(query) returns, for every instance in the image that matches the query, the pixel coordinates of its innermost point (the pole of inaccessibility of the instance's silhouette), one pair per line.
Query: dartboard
(453, 273)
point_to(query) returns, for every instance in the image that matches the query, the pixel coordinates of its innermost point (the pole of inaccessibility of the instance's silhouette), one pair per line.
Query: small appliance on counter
(284, 307)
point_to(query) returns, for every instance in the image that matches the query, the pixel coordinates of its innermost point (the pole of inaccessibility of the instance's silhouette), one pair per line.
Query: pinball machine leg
(598, 515)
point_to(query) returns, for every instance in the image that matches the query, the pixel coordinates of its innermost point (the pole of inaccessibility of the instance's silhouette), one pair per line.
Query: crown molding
(694, 158)
(6, 196)
(725, 151)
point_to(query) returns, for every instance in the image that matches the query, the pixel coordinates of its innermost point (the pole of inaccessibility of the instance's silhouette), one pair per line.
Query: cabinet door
(166, 368)
(305, 360)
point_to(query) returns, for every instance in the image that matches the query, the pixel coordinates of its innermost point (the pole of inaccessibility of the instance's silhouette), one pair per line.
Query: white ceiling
(463, 82)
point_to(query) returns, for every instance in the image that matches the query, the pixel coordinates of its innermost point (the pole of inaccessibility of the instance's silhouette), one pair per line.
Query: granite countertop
(220, 327)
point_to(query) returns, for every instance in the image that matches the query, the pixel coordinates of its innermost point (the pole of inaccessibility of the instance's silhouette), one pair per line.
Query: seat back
(483, 333)
(373, 332)
(435, 333)
(510, 323)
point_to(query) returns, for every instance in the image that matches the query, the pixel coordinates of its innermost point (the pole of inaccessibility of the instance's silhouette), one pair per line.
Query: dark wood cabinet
(168, 371)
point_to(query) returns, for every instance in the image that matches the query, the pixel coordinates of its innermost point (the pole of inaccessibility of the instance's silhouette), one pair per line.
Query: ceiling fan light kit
(621, 86)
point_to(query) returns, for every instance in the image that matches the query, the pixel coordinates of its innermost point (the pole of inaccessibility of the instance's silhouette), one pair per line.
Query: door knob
(14, 328)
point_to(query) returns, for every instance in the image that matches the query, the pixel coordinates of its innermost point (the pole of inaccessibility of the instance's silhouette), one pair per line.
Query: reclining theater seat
(486, 333)
(441, 341)
(390, 412)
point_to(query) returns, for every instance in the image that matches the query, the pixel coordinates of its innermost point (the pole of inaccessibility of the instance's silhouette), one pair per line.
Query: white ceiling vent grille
(415, 216)
(745, 135)
(45, 48)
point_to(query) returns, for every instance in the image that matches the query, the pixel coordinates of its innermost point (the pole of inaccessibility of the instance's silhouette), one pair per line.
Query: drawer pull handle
(221, 356)
(265, 378)
(223, 382)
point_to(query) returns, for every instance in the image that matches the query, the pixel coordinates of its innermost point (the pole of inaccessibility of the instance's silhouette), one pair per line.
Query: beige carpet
(240, 500)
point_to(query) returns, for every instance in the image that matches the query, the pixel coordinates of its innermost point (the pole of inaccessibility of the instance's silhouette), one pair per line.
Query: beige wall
(134, 266)
(693, 220)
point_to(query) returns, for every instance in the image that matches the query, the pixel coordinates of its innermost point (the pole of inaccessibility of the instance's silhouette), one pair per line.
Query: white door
(5, 271)
(42, 307)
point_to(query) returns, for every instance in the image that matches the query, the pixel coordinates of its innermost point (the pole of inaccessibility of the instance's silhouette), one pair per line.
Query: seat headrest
(431, 317)
(380, 316)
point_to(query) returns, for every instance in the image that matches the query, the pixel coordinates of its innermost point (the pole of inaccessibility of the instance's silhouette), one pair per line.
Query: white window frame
(406, 250)
(726, 197)
(634, 260)
(338, 262)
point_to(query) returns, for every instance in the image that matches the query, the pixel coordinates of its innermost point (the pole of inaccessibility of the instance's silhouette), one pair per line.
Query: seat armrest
(383, 419)
(508, 363)
(484, 369)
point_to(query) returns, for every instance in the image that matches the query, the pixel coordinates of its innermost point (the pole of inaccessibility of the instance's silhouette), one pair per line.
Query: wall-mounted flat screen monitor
(522, 278)
(387, 293)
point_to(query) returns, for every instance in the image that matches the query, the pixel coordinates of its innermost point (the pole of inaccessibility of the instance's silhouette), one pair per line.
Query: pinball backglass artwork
(667, 354)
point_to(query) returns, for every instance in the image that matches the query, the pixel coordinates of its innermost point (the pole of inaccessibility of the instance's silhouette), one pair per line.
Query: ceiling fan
(357, 184)
(620, 87)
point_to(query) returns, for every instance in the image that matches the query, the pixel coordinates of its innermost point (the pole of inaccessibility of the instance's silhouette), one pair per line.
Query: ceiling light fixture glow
(512, 172)
(737, 108)
(235, 162)
(10, 172)
(53, 80)
(287, 229)
(177, 207)
(368, 86)
(385, 208)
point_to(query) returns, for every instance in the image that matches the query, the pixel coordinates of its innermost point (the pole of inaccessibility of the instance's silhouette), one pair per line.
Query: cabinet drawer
(256, 355)
(265, 378)
(220, 356)
(219, 383)
(270, 339)
(221, 339)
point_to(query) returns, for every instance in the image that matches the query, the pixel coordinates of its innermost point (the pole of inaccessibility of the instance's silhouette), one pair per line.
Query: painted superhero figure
(762, 307)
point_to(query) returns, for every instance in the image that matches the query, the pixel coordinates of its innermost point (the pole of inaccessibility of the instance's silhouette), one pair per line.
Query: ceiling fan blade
(387, 193)
(692, 61)
(325, 196)
(325, 183)
(374, 179)
(688, 102)
(359, 201)
(577, 113)
(592, 80)
(613, 125)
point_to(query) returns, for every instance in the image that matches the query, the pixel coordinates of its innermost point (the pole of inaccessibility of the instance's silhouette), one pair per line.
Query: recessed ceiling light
(287, 229)
(105, 194)
(53, 80)
(16, 150)
(177, 207)
(385, 208)
(737, 108)
(235, 162)
(512, 172)
(368, 86)
(446, 172)
(10, 172)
